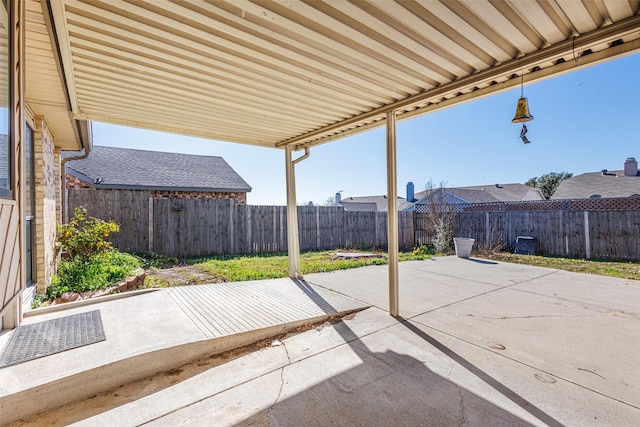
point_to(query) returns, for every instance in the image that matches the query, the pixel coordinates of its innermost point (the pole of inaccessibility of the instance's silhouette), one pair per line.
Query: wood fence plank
(197, 227)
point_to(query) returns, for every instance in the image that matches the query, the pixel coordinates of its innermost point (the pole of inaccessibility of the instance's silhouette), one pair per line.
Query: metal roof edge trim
(160, 188)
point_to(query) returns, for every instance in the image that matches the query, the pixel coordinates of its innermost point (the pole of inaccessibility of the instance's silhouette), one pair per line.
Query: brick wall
(240, 198)
(46, 172)
(74, 183)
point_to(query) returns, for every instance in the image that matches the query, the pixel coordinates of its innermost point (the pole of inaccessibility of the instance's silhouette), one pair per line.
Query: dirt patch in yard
(179, 276)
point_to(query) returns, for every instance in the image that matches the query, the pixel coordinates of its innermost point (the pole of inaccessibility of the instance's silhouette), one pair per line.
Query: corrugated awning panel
(278, 72)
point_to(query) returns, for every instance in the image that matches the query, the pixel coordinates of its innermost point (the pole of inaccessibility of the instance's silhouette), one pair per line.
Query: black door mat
(41, 339)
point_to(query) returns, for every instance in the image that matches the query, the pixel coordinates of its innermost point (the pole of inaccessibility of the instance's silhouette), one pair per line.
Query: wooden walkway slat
(231, 308)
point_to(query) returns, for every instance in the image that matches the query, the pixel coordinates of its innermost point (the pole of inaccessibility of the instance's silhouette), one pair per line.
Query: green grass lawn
(272, 266)
(625, 270)
(233, 268)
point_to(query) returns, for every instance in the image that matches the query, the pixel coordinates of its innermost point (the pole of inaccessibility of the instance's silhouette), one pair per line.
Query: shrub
(443, 228)
(99, 271)
(85, 236)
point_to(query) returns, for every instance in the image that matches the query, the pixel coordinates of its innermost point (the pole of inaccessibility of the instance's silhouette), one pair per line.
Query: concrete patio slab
(160, 331)
(403, 373)
(580, 342)
(479, 343)
(430, 284)
(612, 293)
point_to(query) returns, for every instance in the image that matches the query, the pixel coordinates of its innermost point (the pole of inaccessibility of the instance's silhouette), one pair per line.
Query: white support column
(293, 243)
(392, 214)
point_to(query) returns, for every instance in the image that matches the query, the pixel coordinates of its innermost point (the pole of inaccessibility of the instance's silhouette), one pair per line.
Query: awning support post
(392, 214)
(293, 243)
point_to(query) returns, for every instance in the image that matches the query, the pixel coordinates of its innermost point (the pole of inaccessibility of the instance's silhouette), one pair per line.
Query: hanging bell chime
(522, 116)
(522, 112)
(523, 132)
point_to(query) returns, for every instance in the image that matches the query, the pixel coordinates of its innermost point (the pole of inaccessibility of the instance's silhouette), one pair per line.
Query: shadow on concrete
(362, 350)
(153, 372)
(497, 385)
(393, 387)
(385, 389)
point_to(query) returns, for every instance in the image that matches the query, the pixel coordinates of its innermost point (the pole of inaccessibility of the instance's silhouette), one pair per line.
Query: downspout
(306, 154)
(87, 142)
(293, 241)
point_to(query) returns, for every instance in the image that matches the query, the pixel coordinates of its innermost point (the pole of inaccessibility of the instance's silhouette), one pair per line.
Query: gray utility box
(526, 245)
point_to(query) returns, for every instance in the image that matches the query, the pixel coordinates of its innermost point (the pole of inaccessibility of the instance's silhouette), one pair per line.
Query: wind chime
(522, 111)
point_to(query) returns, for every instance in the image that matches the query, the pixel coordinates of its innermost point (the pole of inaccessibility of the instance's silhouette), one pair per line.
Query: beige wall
(47, 192)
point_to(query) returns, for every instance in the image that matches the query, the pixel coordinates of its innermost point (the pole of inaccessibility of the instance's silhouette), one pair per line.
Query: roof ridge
(152, 151)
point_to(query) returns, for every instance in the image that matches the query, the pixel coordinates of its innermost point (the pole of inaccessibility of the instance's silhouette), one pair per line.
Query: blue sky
(584, 121)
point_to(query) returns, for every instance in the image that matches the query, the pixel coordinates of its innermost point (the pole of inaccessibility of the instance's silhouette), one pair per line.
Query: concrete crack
(281, 378)
(450, 368)
(592, 372)
(533, 316)
(464, 420)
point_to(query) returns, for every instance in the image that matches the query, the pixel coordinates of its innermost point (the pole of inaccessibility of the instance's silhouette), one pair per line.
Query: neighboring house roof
(482, 194)
(596, 185)
(371, 203)
(120, 168)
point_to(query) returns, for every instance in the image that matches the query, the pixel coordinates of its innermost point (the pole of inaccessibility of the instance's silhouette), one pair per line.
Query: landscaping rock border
(131, 282)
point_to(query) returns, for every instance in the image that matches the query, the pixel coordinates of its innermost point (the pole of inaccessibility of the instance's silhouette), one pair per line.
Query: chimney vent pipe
(630, 167)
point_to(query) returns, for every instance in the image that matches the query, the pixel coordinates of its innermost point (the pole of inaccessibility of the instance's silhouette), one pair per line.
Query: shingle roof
(371, 203)
(110, 167)
(613, 184)
(487, 193)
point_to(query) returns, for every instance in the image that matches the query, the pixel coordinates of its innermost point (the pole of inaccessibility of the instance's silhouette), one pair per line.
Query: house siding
(11, 219)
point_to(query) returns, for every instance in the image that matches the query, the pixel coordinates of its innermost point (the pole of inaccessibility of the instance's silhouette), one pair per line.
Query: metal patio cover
(272, 73)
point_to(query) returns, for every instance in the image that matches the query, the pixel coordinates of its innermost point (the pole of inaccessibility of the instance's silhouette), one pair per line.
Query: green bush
(99, 271)
(84, 236)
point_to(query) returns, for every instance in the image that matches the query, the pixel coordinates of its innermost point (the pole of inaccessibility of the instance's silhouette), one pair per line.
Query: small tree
(548, 183)
(85, 236)
(442, 217)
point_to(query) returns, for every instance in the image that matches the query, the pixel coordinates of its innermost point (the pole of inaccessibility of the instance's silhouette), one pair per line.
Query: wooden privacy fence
(599, 228)
(198, 227)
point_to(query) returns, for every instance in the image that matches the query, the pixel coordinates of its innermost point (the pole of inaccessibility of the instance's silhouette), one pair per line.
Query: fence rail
(199, 227)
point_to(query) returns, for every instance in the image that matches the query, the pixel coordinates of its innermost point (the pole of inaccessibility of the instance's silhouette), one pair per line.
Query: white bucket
(463, 246)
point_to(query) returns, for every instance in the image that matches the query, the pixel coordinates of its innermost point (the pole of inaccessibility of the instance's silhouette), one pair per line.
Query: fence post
(232, 231)
(317, 227)
(487, 243)
(150, 236)
(249, 230)
(587, 242)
